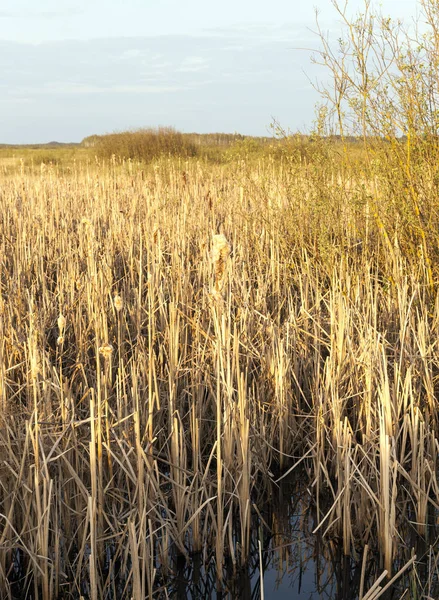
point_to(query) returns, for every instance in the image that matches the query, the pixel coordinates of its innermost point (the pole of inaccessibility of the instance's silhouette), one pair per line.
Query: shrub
(145, 144)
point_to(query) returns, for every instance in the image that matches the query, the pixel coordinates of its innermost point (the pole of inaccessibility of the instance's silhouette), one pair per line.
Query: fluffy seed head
(106, 351)
(118, 302)
(220, 248)
(220, 254)
(61, 323)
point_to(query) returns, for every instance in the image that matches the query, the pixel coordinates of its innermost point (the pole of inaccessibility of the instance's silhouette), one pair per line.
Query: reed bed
(175, 339)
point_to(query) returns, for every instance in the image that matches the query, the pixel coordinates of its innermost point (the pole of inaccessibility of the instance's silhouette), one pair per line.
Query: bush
(145, 144)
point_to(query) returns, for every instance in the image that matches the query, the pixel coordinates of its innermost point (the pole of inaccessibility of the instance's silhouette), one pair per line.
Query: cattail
(35, 362)
(86, 222)
(155, 232)
(61, 323)
(106, 351)
(118, 302)
(35, 365)
(220, 254)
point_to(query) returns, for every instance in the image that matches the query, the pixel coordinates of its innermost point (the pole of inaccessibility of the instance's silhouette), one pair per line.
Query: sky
(70, 69)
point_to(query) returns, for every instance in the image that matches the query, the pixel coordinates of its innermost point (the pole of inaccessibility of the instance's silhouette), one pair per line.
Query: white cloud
(129, 54)
(193, 64)
(69, 88)
(40, 14)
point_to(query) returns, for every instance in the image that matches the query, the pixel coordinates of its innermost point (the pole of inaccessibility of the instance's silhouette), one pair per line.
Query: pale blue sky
(73, 68)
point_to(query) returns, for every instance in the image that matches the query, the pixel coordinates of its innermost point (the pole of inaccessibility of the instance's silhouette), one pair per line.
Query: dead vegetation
(154, 379)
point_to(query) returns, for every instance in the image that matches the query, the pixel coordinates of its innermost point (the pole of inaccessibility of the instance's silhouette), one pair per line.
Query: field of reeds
(181, 338)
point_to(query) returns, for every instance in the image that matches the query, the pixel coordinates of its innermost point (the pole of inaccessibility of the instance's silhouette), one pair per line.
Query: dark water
(282, 580)
(315, 578)
(296, 563)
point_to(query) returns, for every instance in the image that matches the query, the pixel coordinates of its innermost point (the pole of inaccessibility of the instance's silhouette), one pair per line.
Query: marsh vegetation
(152, 392)
(184, 333)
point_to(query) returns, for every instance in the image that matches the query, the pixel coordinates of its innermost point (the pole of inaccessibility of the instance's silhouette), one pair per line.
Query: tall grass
(144, 416)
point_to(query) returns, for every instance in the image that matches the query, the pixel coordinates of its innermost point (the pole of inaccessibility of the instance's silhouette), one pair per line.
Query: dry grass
(143, 415)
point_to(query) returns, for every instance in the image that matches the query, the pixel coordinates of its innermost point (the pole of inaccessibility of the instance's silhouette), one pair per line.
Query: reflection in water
(296, 563)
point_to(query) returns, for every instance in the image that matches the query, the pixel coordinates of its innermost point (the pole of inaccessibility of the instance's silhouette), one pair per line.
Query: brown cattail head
(220, 254)
(155, 232)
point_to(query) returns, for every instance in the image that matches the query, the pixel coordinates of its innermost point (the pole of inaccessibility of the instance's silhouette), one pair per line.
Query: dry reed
(157, 421)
